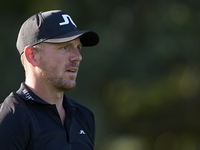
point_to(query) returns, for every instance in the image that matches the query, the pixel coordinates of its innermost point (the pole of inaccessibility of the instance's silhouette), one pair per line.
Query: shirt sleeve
(13, 129)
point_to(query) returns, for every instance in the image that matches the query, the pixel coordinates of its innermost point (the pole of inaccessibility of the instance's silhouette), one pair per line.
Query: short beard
(58, 83)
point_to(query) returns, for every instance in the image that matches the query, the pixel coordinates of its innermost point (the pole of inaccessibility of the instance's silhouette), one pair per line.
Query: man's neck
(47, 94)
(50, 96)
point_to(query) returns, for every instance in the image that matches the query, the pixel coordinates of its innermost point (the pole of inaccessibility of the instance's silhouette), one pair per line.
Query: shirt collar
(26, 94)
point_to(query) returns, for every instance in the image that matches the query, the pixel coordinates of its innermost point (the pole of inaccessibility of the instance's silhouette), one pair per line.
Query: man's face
(58, 64)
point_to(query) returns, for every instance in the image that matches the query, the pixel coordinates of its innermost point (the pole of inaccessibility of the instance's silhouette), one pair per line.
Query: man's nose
(76, 55)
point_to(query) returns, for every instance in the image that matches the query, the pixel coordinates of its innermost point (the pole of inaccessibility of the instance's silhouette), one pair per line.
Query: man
(39, 116)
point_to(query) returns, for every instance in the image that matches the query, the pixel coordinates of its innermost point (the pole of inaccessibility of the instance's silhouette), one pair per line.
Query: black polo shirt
(29, 123)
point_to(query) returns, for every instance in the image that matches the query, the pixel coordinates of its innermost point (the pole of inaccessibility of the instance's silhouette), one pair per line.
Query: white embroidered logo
(81, 132)
(67, 18)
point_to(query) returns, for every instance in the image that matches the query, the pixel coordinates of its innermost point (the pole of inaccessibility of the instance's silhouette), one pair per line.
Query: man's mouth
(73, 70)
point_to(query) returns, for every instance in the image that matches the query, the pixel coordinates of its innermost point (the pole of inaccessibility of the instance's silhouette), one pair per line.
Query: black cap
(52, 27)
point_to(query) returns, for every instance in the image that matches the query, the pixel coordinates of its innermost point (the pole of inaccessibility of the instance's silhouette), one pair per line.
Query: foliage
(141, 81)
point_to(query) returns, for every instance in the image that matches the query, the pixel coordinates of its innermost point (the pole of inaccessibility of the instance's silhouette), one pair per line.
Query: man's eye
(79, 48)
(64, 47)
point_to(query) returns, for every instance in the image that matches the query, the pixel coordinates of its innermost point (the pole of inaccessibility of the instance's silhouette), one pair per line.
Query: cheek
(46, 64)
(52, 63)
(56, 66)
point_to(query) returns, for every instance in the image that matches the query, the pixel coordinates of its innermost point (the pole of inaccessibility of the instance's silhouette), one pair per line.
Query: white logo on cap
(66, 20)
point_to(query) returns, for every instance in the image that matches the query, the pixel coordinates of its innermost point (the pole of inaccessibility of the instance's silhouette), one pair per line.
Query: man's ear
(30, 55)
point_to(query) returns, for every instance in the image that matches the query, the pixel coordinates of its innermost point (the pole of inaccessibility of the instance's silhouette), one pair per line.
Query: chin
(69, 86)
(64, 85)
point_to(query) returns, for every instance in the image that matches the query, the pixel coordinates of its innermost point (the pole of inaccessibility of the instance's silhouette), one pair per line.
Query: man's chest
(49, 133)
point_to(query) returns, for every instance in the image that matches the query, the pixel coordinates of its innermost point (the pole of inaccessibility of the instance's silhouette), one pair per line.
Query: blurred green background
(143, 79)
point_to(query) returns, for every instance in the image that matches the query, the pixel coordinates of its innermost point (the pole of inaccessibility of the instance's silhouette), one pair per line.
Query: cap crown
(52, 26)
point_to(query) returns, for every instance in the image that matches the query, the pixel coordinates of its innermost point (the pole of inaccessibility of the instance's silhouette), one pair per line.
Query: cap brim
(88, 38)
